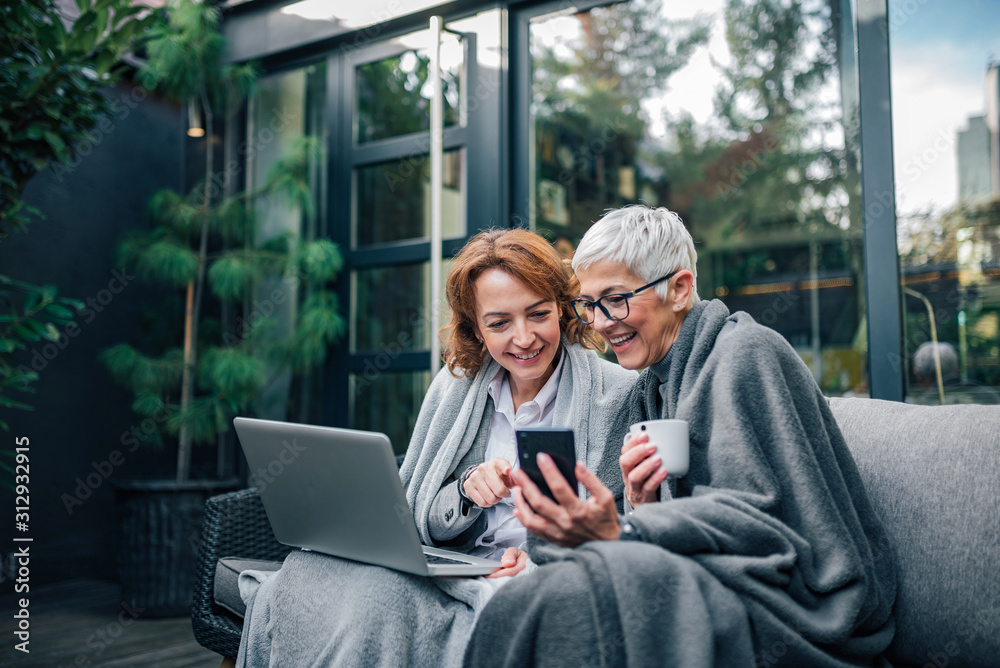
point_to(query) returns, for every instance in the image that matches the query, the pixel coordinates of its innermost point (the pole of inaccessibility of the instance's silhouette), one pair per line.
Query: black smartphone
(558, 444)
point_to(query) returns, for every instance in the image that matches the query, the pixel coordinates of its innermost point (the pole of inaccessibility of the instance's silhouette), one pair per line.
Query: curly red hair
(525, 256)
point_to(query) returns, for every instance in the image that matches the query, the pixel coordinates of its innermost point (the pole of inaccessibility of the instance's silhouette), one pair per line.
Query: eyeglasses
(614, 307)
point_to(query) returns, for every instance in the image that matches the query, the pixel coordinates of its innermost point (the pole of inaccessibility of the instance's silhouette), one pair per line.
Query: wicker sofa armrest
(235, 525)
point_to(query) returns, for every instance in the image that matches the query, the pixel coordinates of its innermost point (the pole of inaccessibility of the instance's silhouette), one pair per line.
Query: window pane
(743, 120)
(287, 107)
(946, 141)
(394, 94)
(393, 199)
(389, 308)
(392, 312)
(389, 403)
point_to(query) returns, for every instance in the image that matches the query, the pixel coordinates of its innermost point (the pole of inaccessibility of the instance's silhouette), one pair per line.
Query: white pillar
(436, 149)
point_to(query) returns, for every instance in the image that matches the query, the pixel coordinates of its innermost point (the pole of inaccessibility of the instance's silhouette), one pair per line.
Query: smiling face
(645, 336)
(520, 329)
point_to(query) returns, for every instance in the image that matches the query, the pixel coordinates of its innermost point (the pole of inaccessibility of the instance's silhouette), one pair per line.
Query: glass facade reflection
(391, 307)
(387, 161)
(393, 199)
(287, 107)
(393, 95)
(946, 119)
(741, 115)
(739, 120)
(389, 303)
(388, 402)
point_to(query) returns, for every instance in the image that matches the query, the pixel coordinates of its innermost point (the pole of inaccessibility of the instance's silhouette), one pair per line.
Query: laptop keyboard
(434, 559)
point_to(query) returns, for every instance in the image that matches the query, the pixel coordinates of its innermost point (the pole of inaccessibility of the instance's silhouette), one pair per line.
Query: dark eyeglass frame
(587, 304)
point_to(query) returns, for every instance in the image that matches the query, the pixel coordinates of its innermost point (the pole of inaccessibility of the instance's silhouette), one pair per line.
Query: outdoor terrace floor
(73, 624)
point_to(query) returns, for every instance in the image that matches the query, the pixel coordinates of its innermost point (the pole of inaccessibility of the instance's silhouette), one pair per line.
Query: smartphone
(558, 444)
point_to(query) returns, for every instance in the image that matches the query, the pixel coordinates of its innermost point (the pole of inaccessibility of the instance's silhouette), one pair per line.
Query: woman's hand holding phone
(567, 520)
(489, 483)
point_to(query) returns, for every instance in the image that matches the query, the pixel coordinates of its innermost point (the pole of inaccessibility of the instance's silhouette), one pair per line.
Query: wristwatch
(461, 485)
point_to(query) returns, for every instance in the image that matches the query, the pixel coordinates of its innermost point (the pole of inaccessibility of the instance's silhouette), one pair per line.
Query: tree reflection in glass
(754, 149)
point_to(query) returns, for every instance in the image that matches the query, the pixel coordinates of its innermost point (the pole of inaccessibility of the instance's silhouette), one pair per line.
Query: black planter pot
(159, 524)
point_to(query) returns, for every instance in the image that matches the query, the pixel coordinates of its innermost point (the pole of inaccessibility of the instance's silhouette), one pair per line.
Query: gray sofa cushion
(933, 476)
(227, 577)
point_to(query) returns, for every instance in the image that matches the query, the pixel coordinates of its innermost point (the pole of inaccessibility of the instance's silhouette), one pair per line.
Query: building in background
(975, 178)
(993, 121)
(979, 146)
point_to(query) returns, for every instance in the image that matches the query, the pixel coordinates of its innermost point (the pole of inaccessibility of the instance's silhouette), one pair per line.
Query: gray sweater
(453, 427)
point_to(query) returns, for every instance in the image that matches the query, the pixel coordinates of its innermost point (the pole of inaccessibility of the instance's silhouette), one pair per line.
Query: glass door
(382, 213)
(946, 144)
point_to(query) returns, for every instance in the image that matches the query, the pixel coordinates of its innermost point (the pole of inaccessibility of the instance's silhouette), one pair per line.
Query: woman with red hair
(517, 357)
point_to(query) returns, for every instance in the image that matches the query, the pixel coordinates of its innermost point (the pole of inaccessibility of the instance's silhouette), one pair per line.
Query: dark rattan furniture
(235, 526)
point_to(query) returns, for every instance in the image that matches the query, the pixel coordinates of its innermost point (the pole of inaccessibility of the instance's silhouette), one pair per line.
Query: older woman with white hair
(766, 553)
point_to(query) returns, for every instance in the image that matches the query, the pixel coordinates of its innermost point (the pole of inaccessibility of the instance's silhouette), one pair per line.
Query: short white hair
(650, 242)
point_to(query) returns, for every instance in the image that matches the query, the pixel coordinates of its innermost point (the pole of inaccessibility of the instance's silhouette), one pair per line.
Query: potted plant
(205, 244)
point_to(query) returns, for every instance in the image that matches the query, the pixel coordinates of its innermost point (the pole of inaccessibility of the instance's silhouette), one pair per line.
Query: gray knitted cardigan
(454, 421)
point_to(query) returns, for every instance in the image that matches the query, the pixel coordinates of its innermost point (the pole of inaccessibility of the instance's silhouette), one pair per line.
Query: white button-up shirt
(503, 530)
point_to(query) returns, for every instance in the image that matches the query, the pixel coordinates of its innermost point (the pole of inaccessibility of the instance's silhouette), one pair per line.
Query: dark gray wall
(80, 415)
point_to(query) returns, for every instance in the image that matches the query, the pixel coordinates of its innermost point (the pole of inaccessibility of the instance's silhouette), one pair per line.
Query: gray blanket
(319, 610)
(770, 554)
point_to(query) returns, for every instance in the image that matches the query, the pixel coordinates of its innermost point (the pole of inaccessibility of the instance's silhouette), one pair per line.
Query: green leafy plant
(32, 314)
(51, 85)
(207, 241)
(52, 81)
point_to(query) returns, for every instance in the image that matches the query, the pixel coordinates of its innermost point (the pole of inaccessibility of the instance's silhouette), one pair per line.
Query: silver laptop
(338, 491)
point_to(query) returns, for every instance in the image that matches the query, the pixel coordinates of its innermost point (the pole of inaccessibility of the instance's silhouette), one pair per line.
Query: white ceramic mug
(671, 440)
